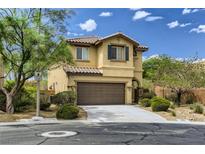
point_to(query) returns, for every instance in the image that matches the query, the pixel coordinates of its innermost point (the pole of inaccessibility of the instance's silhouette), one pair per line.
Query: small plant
(66, 97)
(44, 102)
(191, 106)
(198, 109)
(67, 112)
(149, 94)
(2, 102)
(145, 102)
(173, 113)
(171, 97)
(159, 104)
(172, 106)
(189, 97)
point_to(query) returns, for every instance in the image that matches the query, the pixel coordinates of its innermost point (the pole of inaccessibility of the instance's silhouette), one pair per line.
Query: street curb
(92, 122)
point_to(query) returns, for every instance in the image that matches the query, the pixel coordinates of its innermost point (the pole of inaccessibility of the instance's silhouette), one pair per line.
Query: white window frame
(117, 53)
(85, 53)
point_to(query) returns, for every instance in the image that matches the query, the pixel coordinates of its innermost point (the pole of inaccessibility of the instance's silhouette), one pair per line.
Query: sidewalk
(30, 122)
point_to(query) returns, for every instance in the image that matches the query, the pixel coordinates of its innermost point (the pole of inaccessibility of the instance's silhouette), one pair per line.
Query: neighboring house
(106, 70)
(1, 72)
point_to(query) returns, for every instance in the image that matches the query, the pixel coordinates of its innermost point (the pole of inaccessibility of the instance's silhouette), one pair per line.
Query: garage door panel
(100, 93)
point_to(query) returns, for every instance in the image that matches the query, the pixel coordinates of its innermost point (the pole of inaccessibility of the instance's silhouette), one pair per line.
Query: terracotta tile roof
(83, 70)
(142, 47)
(87, 40)
(95, 40)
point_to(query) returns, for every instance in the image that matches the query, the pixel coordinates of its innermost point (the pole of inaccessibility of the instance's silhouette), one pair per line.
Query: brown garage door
(100, 93)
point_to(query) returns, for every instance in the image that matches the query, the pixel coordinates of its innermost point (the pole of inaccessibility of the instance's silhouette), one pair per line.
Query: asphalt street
(105, 134)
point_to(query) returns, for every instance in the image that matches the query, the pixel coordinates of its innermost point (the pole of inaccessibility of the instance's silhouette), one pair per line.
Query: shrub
(171, 97)
(2, 102)
(24, 98)
(159, 104)
(67, 112)
(191, 106)
(198, 108)
(173, 113)
(22, 101)
(44, 102)
(190, 98)
(172, 106)
(145, 102)
(149, 94)
(66, 97)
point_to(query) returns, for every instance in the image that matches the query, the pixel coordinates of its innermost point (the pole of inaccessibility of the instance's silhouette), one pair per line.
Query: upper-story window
(82, 53)
(118, 52)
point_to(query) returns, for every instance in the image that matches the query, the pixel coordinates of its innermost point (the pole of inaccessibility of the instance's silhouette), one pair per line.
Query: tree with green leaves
(31, 40)
(179, 75)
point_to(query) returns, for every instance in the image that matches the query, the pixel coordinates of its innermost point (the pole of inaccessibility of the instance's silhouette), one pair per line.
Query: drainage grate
(53, 134)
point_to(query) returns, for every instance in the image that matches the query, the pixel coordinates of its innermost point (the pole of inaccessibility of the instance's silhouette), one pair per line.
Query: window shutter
(109, 51)
(127, 53)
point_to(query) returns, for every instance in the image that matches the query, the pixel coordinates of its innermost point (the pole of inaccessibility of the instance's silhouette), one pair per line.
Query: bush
(149, 94)
(66, 97)
(191, 106)
(172, 106)
(198, 108)
(2, 102)
(67, 112)
(24, 98)
(171, 97)
(145, 102)
(22, 101)
(190, 98)
(159, 104)
(44, 102)
(173, 113)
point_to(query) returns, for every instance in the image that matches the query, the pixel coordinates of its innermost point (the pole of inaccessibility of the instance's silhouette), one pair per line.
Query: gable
(118, 36)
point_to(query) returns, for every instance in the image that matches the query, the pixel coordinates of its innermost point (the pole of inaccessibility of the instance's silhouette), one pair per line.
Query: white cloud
(185, 24)
(105, 14)
(199, 29)
(195, 10)
(187, 11)
(153, 18)
(74, 34)
(173, 24)
(135, 9)
(150, 57)
(88, 25)
(140, 14)
(154, 56)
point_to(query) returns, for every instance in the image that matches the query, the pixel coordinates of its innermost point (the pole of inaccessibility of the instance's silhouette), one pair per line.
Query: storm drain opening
(53, 134)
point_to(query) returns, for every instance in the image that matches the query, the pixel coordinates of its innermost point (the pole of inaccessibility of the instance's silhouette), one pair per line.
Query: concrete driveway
(120, 113)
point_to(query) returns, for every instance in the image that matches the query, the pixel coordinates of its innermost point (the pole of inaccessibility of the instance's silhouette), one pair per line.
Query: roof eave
(143, 49)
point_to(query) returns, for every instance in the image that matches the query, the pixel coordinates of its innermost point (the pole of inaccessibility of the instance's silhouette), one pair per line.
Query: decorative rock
(37, 118)
(2, 112)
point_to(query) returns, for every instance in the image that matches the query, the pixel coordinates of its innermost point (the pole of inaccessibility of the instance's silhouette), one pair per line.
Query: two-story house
(106, 70)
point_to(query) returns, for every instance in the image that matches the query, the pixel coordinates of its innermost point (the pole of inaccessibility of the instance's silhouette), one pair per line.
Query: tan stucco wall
(57, 78)
(137, 62)
(1, 71)
(92, 62)
(119, 41)
(115, 68)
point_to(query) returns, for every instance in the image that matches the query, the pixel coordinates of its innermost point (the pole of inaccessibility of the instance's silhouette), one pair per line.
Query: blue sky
(176, 32)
